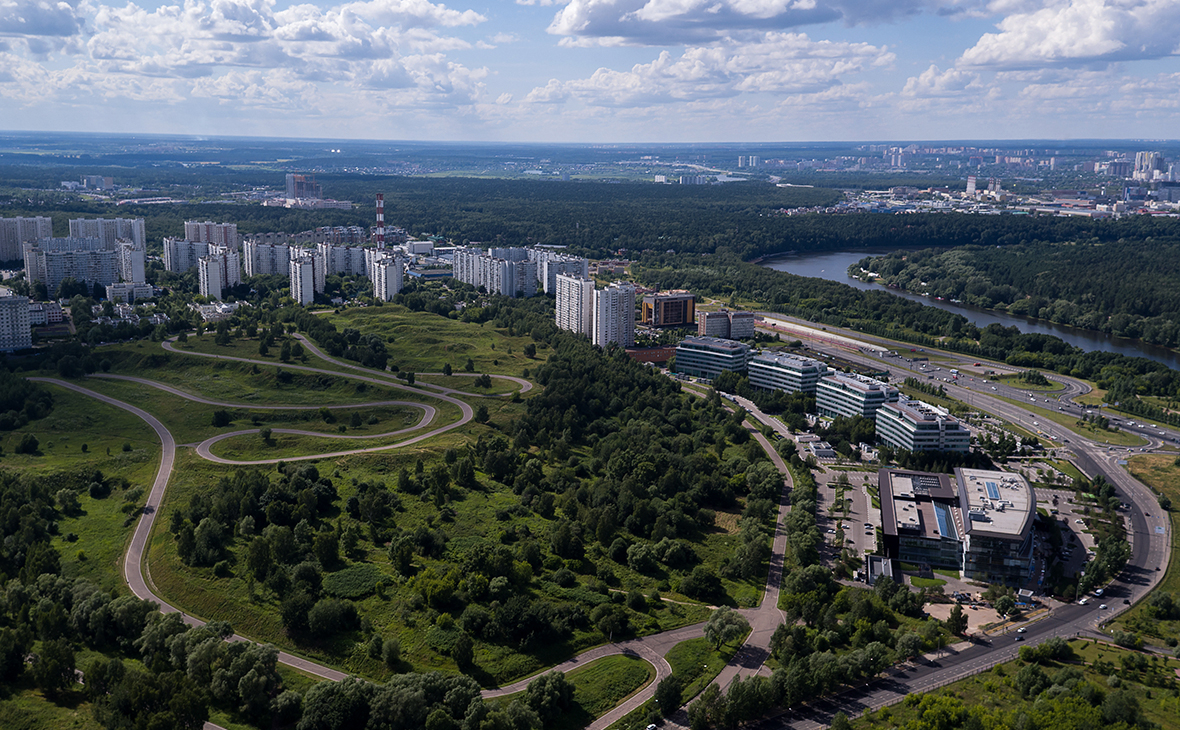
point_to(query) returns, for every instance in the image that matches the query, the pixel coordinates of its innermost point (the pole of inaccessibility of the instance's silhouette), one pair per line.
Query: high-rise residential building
(229, 263)
(575, 304)
(131, 262)
(713, 324)
(303, 186)
(669, 309)
(302, 269)
(614, 315)
(550, 263)
(506, 271)
(209, 276)
(225, 234)
(388, 275)
(15, 232)
(741, 325)
(182, 255)
(343, 259)
(708, 357)
(848, 394)
(110, 230)
(51, 260)
(916, 426)
(266, 258)
(787, 372)
(15, 332)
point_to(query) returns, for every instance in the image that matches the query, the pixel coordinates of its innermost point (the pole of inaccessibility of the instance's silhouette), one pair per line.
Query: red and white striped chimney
(380, 220)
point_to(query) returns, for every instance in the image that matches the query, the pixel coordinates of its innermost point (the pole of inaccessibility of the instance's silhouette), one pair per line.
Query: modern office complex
(849, 395)
(916, 426)
(16, 232)
(266, 258)
(979, 522)
(51, 260)
(15, 332)
(224, 234)
(726, 324)
(708, 357)
(506, 271)
(614, 315)
(575, 304)
(669, 309)
(784, 371)
(110, 230)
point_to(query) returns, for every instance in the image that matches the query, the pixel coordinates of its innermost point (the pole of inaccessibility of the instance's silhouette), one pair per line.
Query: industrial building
(784, 371)
(849, 394)
(708, 357)
(669, 309)
(916, 426)
(978, 522)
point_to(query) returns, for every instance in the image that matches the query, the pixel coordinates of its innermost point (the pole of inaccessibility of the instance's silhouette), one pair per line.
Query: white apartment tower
(575, 304)
(131, 262)
(302, 268)
(229, 263)
(223, 234)
(343, 259)
(110, 230)
(51, 260)
(15, 332)
(15, 232)
(182, 255)
(614, 315)
(209, 274)
(388, 275)
(266, 258)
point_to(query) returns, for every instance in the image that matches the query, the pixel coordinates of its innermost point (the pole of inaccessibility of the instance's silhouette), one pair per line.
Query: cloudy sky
(596, 70)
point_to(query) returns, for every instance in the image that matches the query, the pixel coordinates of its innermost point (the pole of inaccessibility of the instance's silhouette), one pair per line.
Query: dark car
(1020, 638)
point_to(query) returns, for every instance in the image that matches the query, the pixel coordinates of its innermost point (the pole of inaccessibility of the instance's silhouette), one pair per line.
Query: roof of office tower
(714, 343)
(789, 360)
(916, 410)
(996, 503)
(859, 382)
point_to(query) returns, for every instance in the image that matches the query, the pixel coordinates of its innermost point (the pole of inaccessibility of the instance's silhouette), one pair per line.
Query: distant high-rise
(225, 234)
(15, 232)
(182, 255)
(110, 230)
(302, 270)
(550, 263)
(131, 262)
(266, 258)
(15, 332)
(388, 275)
(614, 315)
(52, 260)
(209, 276)
(575, 304)
(303, 186)
(506, 271)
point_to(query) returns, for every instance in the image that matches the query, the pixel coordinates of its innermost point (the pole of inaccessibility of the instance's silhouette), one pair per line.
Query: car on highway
(1102, 607)
(1021, 630)
(1020, 638)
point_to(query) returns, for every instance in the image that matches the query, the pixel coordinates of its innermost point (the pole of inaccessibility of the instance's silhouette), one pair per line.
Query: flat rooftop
(714, 343)
(790, 360)
(916, 410)
(919, 504)
(860, 382)
(995, 503)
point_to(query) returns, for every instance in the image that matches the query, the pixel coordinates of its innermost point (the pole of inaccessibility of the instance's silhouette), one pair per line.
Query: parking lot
(856, 536)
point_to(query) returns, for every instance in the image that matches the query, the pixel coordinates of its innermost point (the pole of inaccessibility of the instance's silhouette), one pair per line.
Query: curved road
(1149, 549)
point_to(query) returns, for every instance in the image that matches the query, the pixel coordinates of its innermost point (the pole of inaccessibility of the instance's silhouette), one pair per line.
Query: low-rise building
(784, 371)
(130, 291)
(708, 357)
(916, 426)
(848, 395)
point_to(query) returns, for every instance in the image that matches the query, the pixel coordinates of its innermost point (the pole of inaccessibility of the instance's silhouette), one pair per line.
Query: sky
(596, 71)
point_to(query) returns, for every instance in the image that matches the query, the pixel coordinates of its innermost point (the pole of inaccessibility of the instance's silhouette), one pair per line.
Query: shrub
(355, 581)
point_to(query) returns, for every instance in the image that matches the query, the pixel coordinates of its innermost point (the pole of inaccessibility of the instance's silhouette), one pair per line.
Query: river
(833, 266)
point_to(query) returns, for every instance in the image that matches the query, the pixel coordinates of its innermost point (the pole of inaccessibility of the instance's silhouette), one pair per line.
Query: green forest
(1125, 287)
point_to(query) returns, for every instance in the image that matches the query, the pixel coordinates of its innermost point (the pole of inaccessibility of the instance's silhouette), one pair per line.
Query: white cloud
(1080, 32)
(38, 18)
(934, 82)
(779, 63)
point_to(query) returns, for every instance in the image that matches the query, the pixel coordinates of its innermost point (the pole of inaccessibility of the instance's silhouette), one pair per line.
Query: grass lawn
(947, 572)
(23, 707)
(1159, 472)
(926, 582)
(1015, 382)
(1067, 468)
(467, 384)
(696, 663)
(427, 348)
(251, 447)
(598, 688)
(996, 691)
